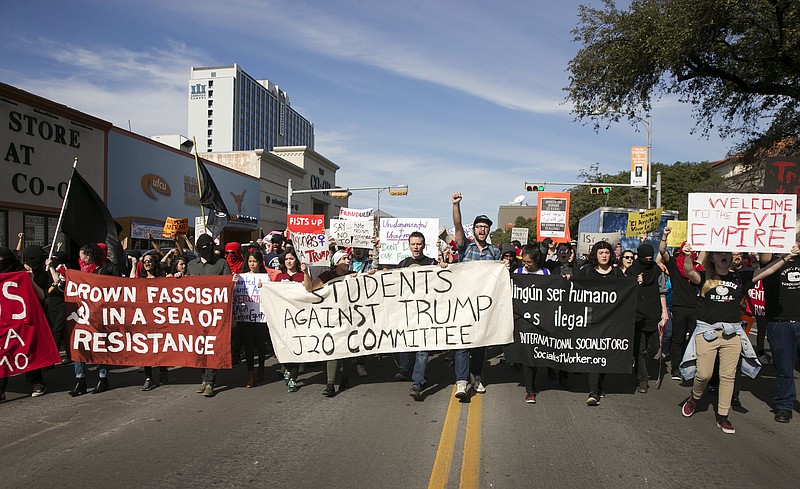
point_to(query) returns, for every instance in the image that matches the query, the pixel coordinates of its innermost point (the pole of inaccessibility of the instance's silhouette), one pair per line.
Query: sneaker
(208, 391)
(201, 388)
(292, 386)
(783, 416)
(38, 390)
(461, 389)
(329, 391)
(149, 385)
(478, 385)
(725, 426)
(676, 375)
(593, 400)
(689, 406)
(530, 398)
(362, 372)
(643, 388)
(287, 376)
(401, 376)
(415, 394)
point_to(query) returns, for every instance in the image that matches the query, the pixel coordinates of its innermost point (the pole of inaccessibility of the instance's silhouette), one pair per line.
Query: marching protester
(56, 309)
(360, 262)
(271, 259)
(532, 263)
(567, 266)
(290, 272)
(719, 330)
(233, 256)
(469, 362)
(178, 268)
(207, 263)
(601, 265)
(626, 260)
(151, 268)
(416, 244)
(254, 334)
(508, 253)
(782, 302)
(341, 269)
(92, 260)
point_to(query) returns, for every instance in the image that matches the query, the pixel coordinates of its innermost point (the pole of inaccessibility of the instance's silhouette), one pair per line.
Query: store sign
(198, 91)
(154, 183)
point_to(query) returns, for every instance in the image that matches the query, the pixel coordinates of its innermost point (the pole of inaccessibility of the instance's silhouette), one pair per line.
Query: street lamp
(396, 190)
(343, 192)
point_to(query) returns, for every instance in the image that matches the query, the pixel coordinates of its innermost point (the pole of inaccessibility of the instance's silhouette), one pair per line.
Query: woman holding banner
(254, 334)
(719, 330)
(602, 261)
(290, 272)
(151, 268)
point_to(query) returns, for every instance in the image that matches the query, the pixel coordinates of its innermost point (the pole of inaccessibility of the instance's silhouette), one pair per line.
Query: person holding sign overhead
(719, 330)
(470, 362)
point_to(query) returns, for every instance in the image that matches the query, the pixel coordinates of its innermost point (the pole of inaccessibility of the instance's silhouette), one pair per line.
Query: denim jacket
(750, 363)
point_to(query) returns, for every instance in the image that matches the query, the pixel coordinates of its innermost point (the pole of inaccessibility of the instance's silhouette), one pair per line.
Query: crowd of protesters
(688, 313)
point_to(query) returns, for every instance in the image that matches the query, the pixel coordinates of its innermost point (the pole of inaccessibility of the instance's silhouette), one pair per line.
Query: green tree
(736, 61)
(500, 236)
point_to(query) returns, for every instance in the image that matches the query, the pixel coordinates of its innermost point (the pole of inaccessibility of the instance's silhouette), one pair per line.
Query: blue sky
(444, 96)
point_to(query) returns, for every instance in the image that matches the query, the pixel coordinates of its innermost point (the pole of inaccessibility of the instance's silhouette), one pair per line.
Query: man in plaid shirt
(469, 362)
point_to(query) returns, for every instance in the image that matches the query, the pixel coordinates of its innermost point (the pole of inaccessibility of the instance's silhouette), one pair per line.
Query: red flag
(25, 339)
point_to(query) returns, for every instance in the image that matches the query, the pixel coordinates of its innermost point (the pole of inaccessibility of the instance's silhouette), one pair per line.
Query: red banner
(25, 339)
(180, 322)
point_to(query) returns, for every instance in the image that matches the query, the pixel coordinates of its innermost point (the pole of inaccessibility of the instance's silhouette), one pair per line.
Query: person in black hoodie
(651, 311)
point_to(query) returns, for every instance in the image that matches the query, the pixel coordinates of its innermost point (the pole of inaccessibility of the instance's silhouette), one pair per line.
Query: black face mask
(9, 262)
(207, 252)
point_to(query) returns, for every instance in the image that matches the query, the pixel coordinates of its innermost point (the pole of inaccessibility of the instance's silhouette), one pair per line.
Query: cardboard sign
(409, 309)
(309, 238)
(587, 240)
(394, 234)
(175, 226)
(742, 222)
(356, 233)
(643, 222)
(552, 216)
(347, 213)
(520, 234)
(247, 296)
(25, 339)
(677, 236)
(182, 322)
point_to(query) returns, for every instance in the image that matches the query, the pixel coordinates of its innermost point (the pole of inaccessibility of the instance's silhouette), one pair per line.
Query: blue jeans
(666, 340)
(420, 366)
(784, 341)
(80, 368)
(469, 362)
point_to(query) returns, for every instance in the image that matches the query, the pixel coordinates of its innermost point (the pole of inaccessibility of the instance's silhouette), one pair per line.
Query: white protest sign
(520, 234)
(394, 234)
(142, 230)
(247, 297)
(587, 240)
(347, 213)
(409, 309)
(352, 232)
(742, 222)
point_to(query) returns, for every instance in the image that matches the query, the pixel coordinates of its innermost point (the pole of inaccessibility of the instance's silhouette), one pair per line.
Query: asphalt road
(375, 436)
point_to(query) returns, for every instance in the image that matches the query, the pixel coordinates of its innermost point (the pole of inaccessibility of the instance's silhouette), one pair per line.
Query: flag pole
(63, 206)
(199, 188)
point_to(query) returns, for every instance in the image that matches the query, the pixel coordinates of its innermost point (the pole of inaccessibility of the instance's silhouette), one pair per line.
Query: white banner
(742, 222)
(394, 234)
(409, 309)
(352, 232)
(347, 213)
(247, 297)
(587, 240)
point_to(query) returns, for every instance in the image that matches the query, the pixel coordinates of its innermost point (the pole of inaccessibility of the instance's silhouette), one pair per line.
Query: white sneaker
(461, 389)
(479, 388)
(362, 372)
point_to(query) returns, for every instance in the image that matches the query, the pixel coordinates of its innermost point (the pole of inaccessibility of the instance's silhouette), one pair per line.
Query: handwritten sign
(347, 213)
(782, 176)
(394, 234)
(356, 233)
(408, 309)
(520, 234)
(175, 226)
(643, 222)
(247, 298)
(309, 238)
(677, 236)
(587, 240)
(742, 222)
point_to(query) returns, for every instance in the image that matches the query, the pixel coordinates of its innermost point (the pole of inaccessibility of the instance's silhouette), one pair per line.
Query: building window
(36, 229)
(208, 143)
(209, 132)
(210, 92)
(213, 75)
(211, 113)
(4, 229)
(210, 83)
(210, 103)
(210, 122)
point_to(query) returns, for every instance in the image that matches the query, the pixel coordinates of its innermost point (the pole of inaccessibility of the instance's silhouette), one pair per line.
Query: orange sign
(552, 217)
(175, 226)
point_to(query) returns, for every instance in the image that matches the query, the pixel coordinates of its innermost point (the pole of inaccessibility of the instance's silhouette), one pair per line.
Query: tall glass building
(231, 111)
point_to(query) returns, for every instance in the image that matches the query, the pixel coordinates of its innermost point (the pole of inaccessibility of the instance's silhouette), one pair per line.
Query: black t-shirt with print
(684, 291)
(723, 303)
(782, 293)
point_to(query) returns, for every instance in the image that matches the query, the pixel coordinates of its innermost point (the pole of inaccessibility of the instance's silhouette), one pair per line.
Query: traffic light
(534, 188)
(600, 190)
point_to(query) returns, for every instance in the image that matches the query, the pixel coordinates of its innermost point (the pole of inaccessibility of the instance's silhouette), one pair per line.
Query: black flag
(211, 199)
(87, 219)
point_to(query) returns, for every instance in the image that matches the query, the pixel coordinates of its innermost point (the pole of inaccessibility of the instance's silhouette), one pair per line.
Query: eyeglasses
(563, 252)
(230, 252)
(627, 257)
(481, 226)
(527, 262)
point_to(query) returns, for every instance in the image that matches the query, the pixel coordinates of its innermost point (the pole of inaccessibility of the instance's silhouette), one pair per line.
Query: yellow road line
(444, 454)
(471, 460)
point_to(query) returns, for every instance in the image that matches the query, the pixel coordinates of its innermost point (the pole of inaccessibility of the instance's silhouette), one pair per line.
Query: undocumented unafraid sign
(581, 325)
(742, 222)
(182, 322)
(419, 308)
(25, 339)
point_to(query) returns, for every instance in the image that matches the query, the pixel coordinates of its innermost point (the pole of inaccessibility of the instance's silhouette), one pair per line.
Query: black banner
(580, 325)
